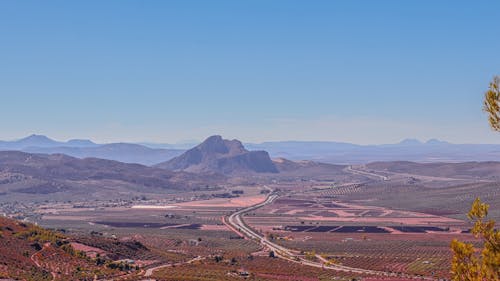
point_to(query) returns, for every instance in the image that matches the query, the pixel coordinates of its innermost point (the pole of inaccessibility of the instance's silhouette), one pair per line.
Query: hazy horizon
(195, 142)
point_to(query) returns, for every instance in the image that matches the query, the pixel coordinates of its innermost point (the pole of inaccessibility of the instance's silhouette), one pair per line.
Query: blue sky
(166, 71)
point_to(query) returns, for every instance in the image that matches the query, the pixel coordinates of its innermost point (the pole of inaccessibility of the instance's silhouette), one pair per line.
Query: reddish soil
(223, 202)
(214, 227)
(89, 251)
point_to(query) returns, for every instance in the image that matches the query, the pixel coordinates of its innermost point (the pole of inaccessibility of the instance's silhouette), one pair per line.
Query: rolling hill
(29, 252)
(40, 176)
(482, 170)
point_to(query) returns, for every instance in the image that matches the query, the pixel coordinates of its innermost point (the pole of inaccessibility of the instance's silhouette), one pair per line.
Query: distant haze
(433, 150)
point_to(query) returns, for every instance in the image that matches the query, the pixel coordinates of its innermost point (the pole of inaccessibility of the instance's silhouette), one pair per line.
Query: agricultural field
(414, 254)
(336, 222)
(29, 252)
(254, 267)
(340, 220)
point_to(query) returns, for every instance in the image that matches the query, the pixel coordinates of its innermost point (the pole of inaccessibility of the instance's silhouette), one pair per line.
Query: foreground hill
(28, 252)
(216, 155)
(31, 176)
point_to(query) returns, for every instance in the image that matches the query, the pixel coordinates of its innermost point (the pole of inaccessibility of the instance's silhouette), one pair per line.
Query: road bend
(236, 223)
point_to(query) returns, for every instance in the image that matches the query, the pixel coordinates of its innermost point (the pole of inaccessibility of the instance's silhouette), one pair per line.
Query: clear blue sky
(165, 71)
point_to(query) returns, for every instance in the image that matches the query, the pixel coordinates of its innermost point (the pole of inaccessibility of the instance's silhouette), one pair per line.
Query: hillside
(227, 157)
(483, 170)
(307, 169)
(38, 177)
(28, 252)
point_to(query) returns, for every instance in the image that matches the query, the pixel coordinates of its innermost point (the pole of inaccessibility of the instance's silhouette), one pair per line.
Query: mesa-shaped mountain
(217, 155)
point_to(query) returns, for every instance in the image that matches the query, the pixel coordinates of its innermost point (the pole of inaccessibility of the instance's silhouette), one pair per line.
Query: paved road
(236, 223)
(150, 271)
(360, 170)
(365, 173)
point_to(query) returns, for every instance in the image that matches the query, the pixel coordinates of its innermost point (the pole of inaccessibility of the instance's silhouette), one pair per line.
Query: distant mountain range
(408, 150)
(43, 176)
(217, 155)
(328, 152)
(123, 152)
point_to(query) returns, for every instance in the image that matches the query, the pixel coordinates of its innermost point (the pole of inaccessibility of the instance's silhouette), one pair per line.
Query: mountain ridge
(217, 155)
(432, 150)
(84, 148)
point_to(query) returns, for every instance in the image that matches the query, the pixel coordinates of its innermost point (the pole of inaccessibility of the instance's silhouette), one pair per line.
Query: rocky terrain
(227, 157)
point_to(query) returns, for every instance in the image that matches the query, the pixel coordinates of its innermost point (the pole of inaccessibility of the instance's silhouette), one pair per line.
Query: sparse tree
(492, 103)
(311, 255)
(218, 258)
(470, 265)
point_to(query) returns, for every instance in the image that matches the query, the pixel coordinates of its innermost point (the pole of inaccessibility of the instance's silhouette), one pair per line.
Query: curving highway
(236, 223)
(353, 170)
